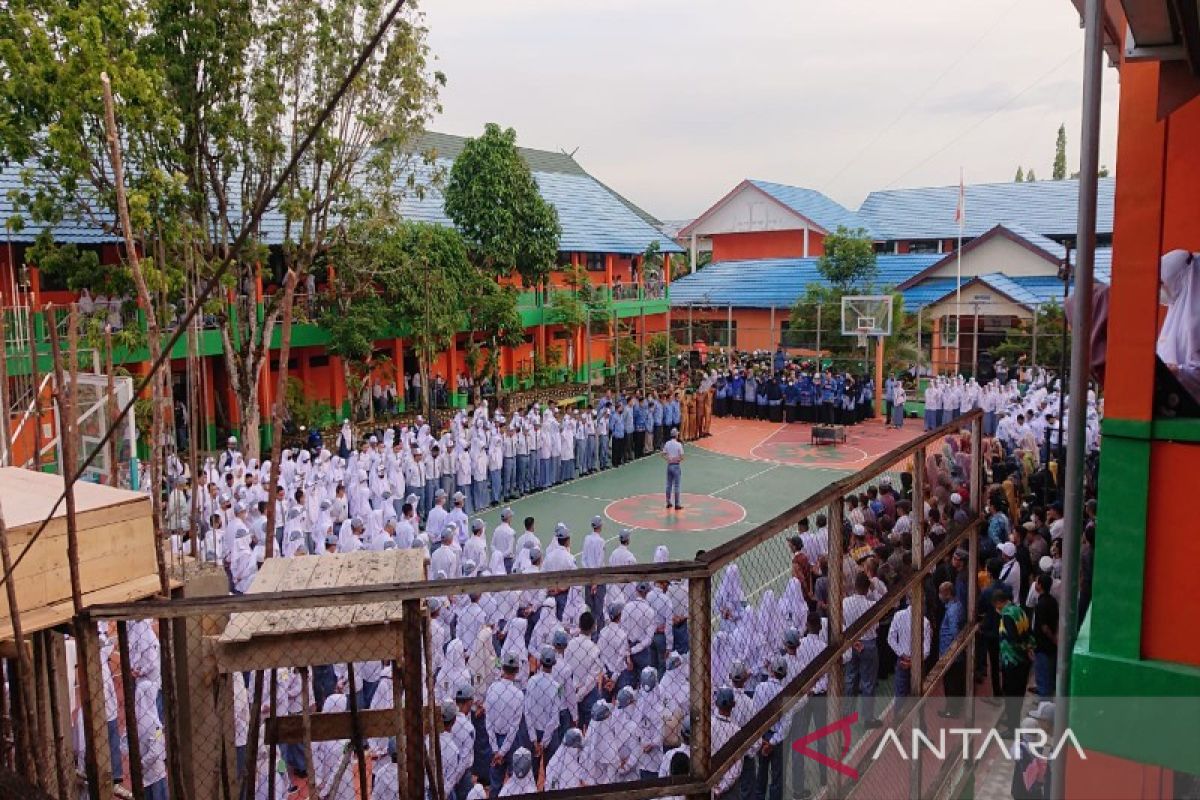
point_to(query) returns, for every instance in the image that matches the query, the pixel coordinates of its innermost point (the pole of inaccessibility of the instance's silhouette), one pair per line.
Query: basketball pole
(879, 376)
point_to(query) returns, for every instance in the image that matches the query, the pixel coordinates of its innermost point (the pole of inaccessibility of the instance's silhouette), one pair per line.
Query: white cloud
(671, 102)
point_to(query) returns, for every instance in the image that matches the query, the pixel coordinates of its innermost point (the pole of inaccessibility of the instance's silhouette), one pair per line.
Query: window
(923, 247)
(595, 262)
(318, 361)
(563, 260)
(712, 332)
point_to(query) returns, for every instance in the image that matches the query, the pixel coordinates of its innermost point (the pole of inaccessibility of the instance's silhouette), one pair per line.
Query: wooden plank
(308, 648)
(327, 727)
(58, 613)
(126, 550)
(414, 590)
(204, 729)
(381, 571)
(28, 496)
(295, 577)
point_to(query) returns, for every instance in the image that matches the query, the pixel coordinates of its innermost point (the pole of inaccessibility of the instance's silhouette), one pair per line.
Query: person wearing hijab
(152, 743)
(454, 671)
(1179, 340)
(731, 597)
(598, 752)
(328, 757)
(566, 769)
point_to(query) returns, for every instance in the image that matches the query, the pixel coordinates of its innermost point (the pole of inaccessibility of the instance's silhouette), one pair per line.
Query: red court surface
(789, 443)
(700, 512)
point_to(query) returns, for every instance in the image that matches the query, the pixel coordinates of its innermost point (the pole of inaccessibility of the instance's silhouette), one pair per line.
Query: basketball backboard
(867, 315)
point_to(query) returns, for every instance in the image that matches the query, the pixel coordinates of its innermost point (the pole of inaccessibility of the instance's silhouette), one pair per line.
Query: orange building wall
(765, 244)
(1157, 210)
(753, 330)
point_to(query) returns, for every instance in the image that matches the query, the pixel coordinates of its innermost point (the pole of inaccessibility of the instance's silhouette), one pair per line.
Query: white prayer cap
(956, 498)
(1045, 563)
(1008, 549)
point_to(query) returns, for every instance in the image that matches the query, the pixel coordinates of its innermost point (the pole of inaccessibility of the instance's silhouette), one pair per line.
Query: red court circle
(700, 512)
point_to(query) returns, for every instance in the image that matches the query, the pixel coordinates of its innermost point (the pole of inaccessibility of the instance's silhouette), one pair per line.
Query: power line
(911, 104)
(970, 128)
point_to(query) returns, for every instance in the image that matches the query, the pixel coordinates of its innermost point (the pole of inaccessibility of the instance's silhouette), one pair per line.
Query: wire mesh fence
(513, 671)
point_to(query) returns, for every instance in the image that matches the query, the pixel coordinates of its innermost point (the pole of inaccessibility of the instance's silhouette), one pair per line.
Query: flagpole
(962, 218)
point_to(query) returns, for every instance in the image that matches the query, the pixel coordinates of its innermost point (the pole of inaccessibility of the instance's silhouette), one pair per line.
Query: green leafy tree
(849, 259)
(493, 312)
(1059, 170)
(494, 202)
(1030, 177)
(213, 100)
(352, 314)
(423, 276)
(1020, 178)
(1017, 346)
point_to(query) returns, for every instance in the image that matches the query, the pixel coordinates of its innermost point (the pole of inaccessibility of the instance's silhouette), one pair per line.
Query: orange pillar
(398, 362)
(452, 378)
(879, 340)
(608, 269)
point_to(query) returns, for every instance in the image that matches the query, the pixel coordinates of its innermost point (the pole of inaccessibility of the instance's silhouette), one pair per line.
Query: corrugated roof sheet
(1030, 290)
(813, 205)
(777, 282)
(1047, 208)
(71, 230)
(594, 218)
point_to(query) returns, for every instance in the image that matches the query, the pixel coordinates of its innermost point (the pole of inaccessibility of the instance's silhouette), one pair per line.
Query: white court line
(774, 465)
(581, 496)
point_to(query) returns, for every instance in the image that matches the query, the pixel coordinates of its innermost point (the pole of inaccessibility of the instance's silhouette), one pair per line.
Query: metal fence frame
(188, 621)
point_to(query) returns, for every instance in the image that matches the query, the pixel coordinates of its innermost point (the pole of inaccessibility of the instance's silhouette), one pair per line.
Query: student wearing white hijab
(454, 672)
(514, 642)
(327, 759)
(566, 769)
(151, 740)
(1179, 340)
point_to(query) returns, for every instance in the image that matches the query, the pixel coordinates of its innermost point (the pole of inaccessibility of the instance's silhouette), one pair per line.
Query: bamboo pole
(193, 420)
(285, 344)
(64, 396)
(158, 395)
(35, 383)
(111, 409)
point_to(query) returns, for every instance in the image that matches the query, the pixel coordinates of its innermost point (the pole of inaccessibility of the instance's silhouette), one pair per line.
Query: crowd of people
(549, 689)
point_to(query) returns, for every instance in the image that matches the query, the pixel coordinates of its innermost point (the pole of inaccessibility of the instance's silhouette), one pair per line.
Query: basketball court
(744, 474)
(741, 476)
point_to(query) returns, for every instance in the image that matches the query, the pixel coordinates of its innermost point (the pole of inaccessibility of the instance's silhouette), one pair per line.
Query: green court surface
(723, 496)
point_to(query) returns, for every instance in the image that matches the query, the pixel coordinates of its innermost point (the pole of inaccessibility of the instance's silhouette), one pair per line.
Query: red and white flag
(960, 213)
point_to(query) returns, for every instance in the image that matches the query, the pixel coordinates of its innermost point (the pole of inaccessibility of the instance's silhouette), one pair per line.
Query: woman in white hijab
(661, 554)
(347, 541)
(731, 597)
(793, 609)
(151, 741)
(454, 672)
(1179, 340)
(481, 662)
(384, 698)
(769, 621)
(327, 759)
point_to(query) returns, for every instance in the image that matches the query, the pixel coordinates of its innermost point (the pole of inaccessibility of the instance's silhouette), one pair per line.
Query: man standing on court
(673, 453)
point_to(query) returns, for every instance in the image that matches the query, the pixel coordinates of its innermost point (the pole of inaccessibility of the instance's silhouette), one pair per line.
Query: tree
(350, 316)
(492, 310)
(1018, 342)
(849, 259)
(1029, 176)
(424, 275)
(213, 102)
(1060, 154)
(1020, 175)
(494, 202)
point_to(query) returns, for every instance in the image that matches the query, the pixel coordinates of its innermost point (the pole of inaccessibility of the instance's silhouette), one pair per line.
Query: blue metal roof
(778, 282)
(593, 218)
(72, 230)
(813, 205)
(1047, 208)
(1029, 290)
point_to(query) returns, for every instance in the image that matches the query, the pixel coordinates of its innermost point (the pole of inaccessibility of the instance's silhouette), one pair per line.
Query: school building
(602, 232)
(766, 240)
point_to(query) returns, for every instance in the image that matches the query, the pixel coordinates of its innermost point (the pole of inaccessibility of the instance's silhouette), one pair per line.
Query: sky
(673, 102)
